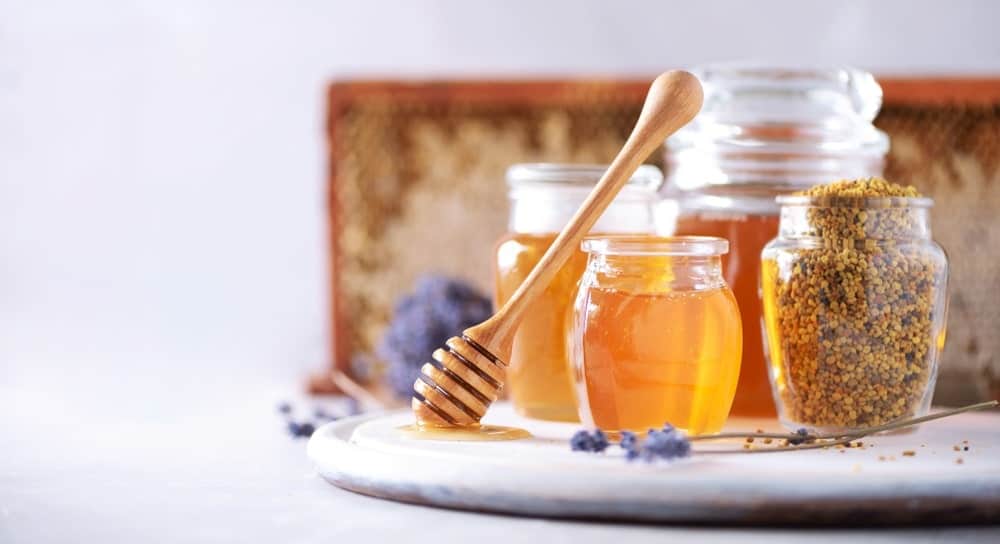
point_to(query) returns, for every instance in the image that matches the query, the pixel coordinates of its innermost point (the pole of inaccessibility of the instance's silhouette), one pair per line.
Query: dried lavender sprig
(737, 434)
(834, 439)
(914, 421)
(356, 391)
(809, 446)
(857, 433)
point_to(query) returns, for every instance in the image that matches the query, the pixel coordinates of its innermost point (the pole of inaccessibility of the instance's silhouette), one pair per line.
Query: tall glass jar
(543, 197)
(765, 132)
(855, 302)
(657, 334)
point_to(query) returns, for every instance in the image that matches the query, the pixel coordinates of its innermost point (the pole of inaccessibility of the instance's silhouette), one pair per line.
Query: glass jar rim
(584, 175)
(645, 245)
(866, 202)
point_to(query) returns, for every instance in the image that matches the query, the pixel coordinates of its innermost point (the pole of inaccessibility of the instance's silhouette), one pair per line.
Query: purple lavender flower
(321, 414)
(665, 445)
(583, 440)
(307, 429)
(600, 441)
(803, 433)
(630, 443)
(438, 309)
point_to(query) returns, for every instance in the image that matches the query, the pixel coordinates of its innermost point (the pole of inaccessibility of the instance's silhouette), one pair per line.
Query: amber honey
(538, 376)
(478, 433)
(657, 336)
(543, 198)
(747, 235)
(649, 359)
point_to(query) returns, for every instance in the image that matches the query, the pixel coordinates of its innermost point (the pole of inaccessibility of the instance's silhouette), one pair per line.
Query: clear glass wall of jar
(657, 335)
(765, 132)
(855, 303)
(543, 197)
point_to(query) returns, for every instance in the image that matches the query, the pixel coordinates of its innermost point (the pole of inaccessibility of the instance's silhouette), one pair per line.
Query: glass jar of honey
(765, 132)
(657, 336)
(543, 197)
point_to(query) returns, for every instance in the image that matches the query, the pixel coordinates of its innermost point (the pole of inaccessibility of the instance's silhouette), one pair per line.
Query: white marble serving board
(542, 477)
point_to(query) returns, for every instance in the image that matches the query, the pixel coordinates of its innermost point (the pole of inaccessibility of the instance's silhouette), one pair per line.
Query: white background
(162, 279)
(161, 165)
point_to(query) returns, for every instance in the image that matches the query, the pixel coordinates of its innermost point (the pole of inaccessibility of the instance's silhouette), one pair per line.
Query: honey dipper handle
(673, 100)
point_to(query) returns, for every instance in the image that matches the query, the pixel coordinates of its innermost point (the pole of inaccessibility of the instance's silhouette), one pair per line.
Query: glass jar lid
(773, 130)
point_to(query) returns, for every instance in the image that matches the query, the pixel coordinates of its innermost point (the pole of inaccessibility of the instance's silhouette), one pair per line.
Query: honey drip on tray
(479, 433)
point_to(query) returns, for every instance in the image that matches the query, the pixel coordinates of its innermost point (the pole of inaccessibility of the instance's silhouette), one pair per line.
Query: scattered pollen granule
(853, 316)
(909, 453)
(768, 440)
(959, 461)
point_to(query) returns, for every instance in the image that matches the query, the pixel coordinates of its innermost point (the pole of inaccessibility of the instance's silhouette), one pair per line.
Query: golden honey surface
(649, 359)
(538, 376)
(747, 235)
(478, 433)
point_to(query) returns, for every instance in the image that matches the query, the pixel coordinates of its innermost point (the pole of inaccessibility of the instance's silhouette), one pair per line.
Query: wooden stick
(468, 372)
(673, 100)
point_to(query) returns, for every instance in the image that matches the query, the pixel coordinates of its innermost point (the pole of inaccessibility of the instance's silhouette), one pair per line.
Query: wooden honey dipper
(465, 377)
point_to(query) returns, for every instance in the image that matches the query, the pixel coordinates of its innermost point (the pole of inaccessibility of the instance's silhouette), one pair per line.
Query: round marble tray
(542, 477)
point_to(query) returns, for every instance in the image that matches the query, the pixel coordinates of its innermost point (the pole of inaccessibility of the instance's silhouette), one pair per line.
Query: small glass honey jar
(543, 198)
(657, 336)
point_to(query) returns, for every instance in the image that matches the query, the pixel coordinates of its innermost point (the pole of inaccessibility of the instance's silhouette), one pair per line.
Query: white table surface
(210, 462)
